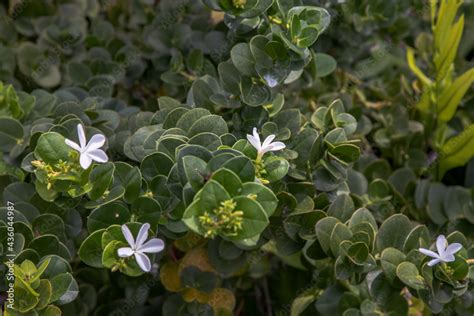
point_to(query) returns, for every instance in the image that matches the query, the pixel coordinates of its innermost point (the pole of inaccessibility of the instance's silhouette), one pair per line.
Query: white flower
(445, 252)
(139, 247)
(89, 151)
(271, 81)
(267, 144)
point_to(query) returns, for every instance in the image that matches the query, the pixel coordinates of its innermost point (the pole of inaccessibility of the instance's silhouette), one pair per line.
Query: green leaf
(264, 196)
(193, 277)
(90, 251)
(110, 196)
(307, 37)
(339, 234)
(460, 268)
(9, 102)
(42, 267)
(101, 178)
(324, 228)
(106, 215)
(49, 224)
(393, 232)
(358, 253)
(208, 140)
(362, 215)
(254, 93)
(191, 217)
(346, 153)
(211, 195)
(457, 151)
(51, 148)
(302, 301)
(254, 219)
(110, 258)
(242, 166)
(419, 237)
(414, 68)
(27, 302)
(45, 291)
(229, 180)
(276, 168)
(187, 119)
(65, 289)
(379, 190)
(51, 310)
(408, 274)
(325, 64)
(390, 259)
(195, 170)
(210, 123)
(195, 60)
(11, 134)
(147, 210)
(336, 136)
(48, 245)
(129, 178)
(242, 59)
(342, 207)
(452, 95)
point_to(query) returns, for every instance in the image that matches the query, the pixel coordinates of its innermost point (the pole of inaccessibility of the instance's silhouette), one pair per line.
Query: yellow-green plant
(443, 93)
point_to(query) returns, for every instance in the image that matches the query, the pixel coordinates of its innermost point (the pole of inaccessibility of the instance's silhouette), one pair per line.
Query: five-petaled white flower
(267, 144)
(445, 252)
(89, 151)
(139, 247)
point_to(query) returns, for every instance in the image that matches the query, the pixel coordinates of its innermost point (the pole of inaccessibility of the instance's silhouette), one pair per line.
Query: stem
(268, 300)
(470, 261)
(187, 76)
(350, 287)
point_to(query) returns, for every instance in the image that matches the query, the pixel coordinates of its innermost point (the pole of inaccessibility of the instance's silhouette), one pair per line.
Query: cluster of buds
(53, 172)
(225, 220)
(239, 4)
(260, 172)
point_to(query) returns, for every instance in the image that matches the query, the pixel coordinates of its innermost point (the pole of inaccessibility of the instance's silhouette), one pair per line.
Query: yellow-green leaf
(448, 50)
(452, 96)
(457, 151)
(417, 71)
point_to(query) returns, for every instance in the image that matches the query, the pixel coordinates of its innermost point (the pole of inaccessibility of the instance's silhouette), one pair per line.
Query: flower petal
(97, 141)
(429, 253)
(152, 246)
(125, 252)
(85, 161)
(441, 244)
(453, 248)
(447, 257)
(97, 155)
(81, 135)
(128, 236)
(268, 140)
(253, 142)
(276, 146)
(143, 261)
(142, 235)
(271, 81)
(433, 262)
(73, 145)
(256, 135)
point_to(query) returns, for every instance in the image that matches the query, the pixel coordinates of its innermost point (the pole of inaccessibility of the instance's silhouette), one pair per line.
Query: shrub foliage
(236, 157)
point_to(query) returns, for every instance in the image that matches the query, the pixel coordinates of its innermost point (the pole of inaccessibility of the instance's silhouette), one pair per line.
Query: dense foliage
(236, 157)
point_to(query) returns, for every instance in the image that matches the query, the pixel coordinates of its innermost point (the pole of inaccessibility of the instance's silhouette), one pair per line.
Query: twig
(268, 300)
